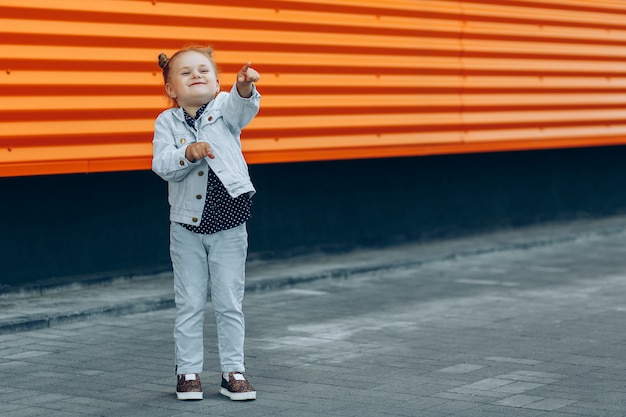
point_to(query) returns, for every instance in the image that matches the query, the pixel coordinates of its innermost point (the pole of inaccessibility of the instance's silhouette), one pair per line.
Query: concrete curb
(43, 321)
(298, 272)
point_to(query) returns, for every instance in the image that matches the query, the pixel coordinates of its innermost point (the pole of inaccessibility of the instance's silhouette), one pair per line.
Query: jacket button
(199, 197)
(194, 219)
(200, 173)
(182, 163)
(210, 118)
(182, 141)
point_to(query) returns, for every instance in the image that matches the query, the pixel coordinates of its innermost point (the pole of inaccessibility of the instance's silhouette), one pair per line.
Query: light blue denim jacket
(220, 125)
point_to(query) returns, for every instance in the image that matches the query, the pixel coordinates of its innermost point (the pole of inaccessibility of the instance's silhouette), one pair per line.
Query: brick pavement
(523, 322)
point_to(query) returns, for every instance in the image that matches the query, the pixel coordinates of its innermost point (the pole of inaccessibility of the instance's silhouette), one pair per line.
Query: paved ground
(525, 322)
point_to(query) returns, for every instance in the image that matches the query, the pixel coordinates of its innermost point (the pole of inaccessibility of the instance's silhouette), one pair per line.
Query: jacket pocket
(183, 138)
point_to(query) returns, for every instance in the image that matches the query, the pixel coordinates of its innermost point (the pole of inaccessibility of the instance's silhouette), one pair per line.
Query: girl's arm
(243, 101)
(245, 77)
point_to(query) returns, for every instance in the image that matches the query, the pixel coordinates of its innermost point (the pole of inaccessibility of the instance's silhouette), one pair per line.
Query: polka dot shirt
(221, 211)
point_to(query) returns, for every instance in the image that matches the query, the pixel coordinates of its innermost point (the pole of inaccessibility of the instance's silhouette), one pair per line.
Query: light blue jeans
(218, 260)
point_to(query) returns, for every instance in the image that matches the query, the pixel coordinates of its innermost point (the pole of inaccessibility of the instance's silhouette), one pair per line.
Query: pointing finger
(243, 72)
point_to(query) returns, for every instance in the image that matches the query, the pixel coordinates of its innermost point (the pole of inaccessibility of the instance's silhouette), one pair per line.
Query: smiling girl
(197, 150)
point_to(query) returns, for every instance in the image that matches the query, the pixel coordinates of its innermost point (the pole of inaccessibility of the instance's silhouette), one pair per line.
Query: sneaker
(189, 387)
(237, 388)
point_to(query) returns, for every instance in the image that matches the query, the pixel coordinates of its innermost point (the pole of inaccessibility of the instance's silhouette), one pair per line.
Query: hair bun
(163, 60)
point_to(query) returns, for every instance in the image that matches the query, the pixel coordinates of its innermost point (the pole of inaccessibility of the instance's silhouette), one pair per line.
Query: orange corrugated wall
(80, 87)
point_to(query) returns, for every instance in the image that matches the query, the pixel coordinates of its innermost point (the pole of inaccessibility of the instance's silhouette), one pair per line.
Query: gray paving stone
(461, 368)
(6, 407)
(479, 392)
(514, 360)
(518, 387)
(523, 323)
(489, 384)
(452, 407)
(38, 412)
(489, 410)
(528, 378)
(549, 404)
(468, 396)
(520, 400)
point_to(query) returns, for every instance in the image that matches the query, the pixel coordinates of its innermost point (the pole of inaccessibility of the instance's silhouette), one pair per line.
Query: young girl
(197, 150)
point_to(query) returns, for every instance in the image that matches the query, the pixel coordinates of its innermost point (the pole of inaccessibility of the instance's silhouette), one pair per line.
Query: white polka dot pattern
(221, 211)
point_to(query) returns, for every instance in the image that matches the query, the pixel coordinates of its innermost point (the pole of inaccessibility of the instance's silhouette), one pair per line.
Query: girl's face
(192, 81)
